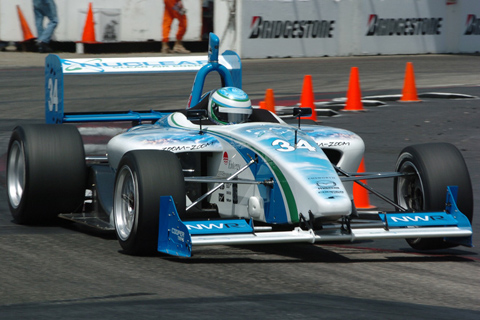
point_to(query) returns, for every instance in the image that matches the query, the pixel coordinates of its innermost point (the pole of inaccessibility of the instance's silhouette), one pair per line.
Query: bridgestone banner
(289, 28)
(312, 28)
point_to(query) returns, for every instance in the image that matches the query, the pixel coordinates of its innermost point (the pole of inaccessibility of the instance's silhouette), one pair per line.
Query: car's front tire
(142, 177)
(431, 168)
(46, 172)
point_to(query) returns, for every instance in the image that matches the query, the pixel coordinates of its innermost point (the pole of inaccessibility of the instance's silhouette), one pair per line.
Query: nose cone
(305, 175)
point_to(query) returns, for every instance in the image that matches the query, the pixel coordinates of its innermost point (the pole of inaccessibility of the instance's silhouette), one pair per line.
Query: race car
(222, 172)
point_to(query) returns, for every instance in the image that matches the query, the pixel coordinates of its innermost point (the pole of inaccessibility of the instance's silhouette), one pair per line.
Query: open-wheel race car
(222, 172)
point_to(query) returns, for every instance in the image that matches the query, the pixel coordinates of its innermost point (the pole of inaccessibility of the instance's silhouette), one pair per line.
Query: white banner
(282, 28)
(312, 28)
(401, 27)
(469, 27)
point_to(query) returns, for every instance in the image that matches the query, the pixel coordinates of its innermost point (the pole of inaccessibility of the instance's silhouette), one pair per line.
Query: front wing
(177, 237)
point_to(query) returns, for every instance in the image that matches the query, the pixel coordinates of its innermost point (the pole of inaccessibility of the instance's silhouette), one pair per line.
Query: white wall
(355, 27)
(139, 20)
(301, 28)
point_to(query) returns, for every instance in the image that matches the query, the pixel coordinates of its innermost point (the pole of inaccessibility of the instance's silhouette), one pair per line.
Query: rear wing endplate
(228, 65)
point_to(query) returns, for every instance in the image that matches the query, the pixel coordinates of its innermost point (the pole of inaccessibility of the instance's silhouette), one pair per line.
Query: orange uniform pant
(169, 14)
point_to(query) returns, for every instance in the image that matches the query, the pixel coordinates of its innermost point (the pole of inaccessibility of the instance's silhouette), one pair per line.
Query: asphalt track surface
(62, 271)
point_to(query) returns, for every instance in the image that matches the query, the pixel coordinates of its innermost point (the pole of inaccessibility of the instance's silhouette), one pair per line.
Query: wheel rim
(410, 192)
(16, 174)
(125, 203)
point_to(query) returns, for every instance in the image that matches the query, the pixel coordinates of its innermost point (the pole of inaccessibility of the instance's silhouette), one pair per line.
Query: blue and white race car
(251, 176)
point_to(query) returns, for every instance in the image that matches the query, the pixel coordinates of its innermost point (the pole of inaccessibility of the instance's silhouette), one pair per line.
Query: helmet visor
(231, 115)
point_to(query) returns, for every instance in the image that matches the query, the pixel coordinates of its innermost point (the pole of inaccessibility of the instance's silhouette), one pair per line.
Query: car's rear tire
(433, 166)
(46, 172)
(142, 177)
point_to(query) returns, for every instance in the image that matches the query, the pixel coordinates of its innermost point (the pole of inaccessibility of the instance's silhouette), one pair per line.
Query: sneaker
(165, 49)
(179, 48)
(44, 48)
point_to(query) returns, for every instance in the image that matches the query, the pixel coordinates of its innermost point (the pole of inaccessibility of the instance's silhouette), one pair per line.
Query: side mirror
(197, 114)
(302, 112)
(299, 113)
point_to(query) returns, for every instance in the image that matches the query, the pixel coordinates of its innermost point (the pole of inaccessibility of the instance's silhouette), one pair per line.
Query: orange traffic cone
(262, 105)
(27, 34)
(354, 94)
(360, 194)
(89, 29)
(307, 100)
(270, 101)
(409, 92)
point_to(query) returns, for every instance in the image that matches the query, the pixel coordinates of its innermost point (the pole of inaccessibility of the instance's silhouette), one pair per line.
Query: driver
(229, 105)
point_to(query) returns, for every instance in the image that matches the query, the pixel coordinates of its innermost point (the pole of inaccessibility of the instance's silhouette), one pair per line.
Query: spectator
(174, 9)
(42, 9)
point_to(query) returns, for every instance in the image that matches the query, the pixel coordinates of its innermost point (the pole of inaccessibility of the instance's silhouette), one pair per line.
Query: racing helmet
(229, 105)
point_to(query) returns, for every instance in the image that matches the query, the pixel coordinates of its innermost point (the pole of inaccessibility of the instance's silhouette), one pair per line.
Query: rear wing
(228, 65)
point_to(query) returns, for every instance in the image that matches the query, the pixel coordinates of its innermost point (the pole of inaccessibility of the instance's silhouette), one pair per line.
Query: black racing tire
(46, 172)
(434, 166)
(142, 177)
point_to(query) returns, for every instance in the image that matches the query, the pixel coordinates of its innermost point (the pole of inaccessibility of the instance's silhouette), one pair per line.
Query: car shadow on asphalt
(305, 253)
